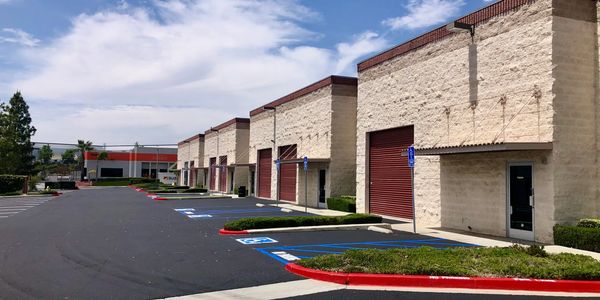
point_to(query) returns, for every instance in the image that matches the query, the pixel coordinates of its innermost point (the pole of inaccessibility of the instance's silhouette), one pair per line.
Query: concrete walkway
(463, 237)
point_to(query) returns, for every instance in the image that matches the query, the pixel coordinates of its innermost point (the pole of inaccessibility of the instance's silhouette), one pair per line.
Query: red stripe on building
(126, 156)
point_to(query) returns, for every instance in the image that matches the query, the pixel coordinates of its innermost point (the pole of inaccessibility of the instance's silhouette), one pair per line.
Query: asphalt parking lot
(116, 243)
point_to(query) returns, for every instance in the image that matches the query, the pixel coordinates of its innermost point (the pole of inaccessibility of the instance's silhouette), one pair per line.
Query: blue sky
(158, 71)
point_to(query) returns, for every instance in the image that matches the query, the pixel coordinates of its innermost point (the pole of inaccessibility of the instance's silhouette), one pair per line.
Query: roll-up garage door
(223, 173)
(287, 173)
(213, 172)
(390, 191)
(265, 160)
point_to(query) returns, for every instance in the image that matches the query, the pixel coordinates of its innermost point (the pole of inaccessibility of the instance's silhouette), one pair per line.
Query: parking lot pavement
(12, 206)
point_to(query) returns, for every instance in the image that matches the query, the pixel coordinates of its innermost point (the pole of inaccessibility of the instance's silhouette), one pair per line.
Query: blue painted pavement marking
(216, 214)
(285, 254)
(199, 216)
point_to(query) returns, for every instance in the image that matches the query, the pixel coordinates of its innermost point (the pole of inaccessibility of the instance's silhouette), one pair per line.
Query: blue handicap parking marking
(256, 241)
(286, 254)
(235, 213)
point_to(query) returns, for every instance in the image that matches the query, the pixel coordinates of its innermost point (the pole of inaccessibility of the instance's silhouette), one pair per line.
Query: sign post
(277, 162)
(305, 184)
(411, 164)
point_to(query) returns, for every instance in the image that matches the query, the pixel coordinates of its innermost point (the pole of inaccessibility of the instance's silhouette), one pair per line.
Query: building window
(111, 172)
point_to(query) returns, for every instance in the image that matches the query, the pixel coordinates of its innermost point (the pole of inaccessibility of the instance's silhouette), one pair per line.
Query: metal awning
(242, 165)
(481, 148)
(301, 160)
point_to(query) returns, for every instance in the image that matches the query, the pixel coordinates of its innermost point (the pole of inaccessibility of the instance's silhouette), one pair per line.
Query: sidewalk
(463, 237)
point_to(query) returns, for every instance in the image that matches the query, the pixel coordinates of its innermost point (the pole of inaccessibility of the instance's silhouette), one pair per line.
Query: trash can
(242, 191)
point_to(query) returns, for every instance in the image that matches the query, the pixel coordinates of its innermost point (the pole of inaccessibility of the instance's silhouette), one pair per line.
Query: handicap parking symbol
(256, 241)
(199, 216)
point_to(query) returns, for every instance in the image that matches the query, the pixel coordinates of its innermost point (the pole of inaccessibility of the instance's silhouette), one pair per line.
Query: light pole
(274, 109)
(157, 151)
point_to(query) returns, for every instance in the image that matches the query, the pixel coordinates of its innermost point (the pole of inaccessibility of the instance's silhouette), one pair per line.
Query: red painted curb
(160, 199)
(523, 284)
(225, 231)
(150, 195)
(56, 194)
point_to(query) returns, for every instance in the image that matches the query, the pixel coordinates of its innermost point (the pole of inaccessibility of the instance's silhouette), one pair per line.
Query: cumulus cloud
(425, 13)
(17, 36)
(216, 58)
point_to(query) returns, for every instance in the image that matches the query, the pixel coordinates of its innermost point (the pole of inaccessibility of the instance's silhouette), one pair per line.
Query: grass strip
(297, 221)
(500, 262)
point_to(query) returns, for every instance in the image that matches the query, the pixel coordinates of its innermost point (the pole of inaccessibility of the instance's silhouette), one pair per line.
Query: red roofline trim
(334, 79)
(230, 122)
(482, 15)
(195, 137)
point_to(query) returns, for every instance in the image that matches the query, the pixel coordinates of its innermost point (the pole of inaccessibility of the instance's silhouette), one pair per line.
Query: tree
(68, 157)
(45, 156)
(16, 148)
(83, 147)
(102, 156)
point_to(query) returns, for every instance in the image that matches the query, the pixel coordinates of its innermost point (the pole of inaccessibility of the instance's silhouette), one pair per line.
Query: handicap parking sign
(256, 241)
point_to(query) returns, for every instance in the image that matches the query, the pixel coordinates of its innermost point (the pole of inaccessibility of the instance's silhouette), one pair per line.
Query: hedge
(577, 237)
(162, 191)
(195, 190)
(178, 187)
(11, 183)
(141, 180)
(278, 222)
(61, 185)
(589, 223)
(342, 203)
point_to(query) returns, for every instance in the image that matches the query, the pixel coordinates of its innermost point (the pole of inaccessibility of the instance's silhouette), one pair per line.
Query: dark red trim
(482, 15)
(520, 284)
(160, 199)
(193, 138)
(235, 121)
(343, 80)
(231, 232)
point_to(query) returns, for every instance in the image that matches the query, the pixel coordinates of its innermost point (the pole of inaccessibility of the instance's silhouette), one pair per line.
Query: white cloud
(17, 36)
(5, 1)
(218, 58)
(425, 13)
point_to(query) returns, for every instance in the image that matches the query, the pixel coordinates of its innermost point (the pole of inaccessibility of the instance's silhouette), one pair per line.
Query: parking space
(13, 205)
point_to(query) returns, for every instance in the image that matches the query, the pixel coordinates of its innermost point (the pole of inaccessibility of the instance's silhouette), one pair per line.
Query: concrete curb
(309, 228)
(232, 232)
(423, 281)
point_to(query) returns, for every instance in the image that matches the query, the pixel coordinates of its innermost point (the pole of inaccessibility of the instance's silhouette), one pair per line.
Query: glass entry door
(521, 201)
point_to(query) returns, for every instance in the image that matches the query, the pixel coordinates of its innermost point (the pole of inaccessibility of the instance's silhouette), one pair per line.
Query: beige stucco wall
(192, 151)
(433, 88)
(308, 122)
(575, 56)
(231, 141)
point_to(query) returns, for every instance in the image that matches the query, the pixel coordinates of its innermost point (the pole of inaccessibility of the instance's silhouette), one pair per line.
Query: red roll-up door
(265, 160)
(287, 174)
(390, 191)
(223, 173)
(213, 170)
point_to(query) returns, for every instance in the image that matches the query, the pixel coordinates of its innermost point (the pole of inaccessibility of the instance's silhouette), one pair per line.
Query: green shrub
(589, 223)
(161, 191)
(577, 237)
(195, 190)
(142, 180)
(278, 222)
(33, 181)
(11, 183)
(61, 185)
(177, 187)
(48, 192)
(342, 203)
(11, 194)
(111, 182)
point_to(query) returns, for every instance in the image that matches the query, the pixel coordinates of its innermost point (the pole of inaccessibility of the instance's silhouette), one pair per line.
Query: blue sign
(256, 241)
(411, 156)
(277, 162)
(305, 163)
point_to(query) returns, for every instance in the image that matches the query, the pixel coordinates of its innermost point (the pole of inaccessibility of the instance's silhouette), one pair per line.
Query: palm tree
(83, 147)
(102, 156)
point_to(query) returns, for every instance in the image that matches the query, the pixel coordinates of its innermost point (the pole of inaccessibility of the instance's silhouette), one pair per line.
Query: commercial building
(505, 123)
(190, 161)
(318, 122)
(137, 162)
(226, 156)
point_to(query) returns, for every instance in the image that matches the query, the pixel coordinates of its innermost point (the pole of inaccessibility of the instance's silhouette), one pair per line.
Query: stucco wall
(343, 139)
(474, 191)
(575, 56)
(433, 88)
(192, 151)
